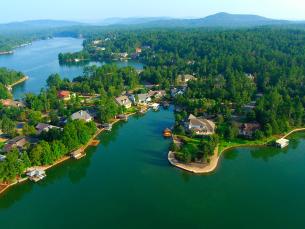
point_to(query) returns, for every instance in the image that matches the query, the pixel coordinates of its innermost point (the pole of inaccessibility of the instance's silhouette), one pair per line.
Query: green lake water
(127, 182)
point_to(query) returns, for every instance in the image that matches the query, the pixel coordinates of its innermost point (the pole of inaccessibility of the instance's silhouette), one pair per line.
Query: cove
(127, 182)
(40, 59)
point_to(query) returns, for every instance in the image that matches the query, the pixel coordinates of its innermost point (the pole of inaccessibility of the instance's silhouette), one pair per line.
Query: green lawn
(224, 144)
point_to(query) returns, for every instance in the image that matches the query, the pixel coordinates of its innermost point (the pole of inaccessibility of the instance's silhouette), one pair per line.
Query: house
(157, 94)
(44, 127)
(248, 129)
(82, 115)
(185, 78)
(123, 101)
(282, 143)
(17, 142)
(144, 99)
(201, 126)
(123, 55)
(138, 50)
(11, 103)
(77, 154)
(64, 95)
(175, 91)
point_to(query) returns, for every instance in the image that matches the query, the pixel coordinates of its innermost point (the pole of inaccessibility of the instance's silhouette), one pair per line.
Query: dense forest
(263, 67)
(233, 68)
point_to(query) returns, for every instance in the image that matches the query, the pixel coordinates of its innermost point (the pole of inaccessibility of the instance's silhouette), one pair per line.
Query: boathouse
(282, 143)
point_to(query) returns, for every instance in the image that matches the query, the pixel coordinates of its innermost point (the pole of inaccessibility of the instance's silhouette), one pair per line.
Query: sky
(96, 10)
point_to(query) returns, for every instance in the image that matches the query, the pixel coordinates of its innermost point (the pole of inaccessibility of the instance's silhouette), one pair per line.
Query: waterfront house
(82, 115)
(17, 142)
(77, 154)
(282, 143)
(36, 174)
(40, 127)
(123, 101)
(157, 94)
(248, 129)
(144, 99)
(107, 126)
(200, 126)
(64, 95)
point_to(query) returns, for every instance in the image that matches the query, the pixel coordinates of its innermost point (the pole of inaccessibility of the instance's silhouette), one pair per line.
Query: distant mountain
(36, 25)
(216, 20)
(131, 21)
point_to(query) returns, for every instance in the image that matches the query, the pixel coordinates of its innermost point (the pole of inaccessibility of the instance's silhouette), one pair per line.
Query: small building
(138, 50)
(248, 129)
(64, 95)
(123, 101)
(144, 99)
(2, 158)
(36, 174)
(17, 142)
(44, 127)
(11, 103)
(82, 115)
(123, 55)
(157, 94)
(77, 154)
(107, 126)
(282, 143)
(201, 126)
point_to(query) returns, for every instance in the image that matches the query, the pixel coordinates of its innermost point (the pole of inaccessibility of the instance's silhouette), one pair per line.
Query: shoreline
(5, 187)
(10, 87)
(206, 168)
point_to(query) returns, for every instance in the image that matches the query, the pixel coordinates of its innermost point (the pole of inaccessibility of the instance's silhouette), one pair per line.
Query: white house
(82, 115)
(144, 99)
(201, 126)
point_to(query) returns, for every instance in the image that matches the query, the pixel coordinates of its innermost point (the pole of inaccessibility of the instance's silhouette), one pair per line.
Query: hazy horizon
(97, 10)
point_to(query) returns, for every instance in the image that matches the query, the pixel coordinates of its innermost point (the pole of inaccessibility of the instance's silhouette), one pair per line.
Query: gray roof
(123, 100)
(210, 125)
(81, 115)
(143, 97)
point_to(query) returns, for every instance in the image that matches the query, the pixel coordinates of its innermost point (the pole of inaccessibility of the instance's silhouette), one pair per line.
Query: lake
(127, 182)
(40, 60)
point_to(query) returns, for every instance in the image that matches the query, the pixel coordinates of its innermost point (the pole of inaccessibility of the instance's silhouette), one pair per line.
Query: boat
(167, 133)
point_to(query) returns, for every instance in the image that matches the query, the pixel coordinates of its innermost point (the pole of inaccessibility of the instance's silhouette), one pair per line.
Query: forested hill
(36, 25)
(216, 20)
